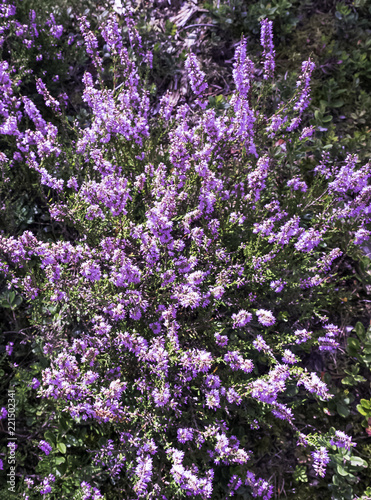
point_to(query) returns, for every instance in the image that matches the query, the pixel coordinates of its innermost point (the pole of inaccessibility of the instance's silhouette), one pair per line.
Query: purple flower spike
(195, 75)
(45, 447)
(321, 459)
(266, 40)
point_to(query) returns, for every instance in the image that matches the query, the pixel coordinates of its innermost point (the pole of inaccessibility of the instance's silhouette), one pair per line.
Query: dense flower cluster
(178, 255)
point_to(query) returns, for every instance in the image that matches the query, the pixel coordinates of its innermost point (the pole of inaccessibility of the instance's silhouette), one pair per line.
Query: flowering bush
(194, 229)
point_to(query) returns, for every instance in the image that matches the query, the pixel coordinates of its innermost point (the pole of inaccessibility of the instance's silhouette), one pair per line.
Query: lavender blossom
(184, 435)
(321, 459)
(265, 317)
(302, 336)
(143, 471)
(303, 85)
(9, 348)
(361, 236)
(241, 318)
(243, 70)
(260, 344)
(195, 75)
(266, 40)
(45, 447)
(341, 440)
(46, 484)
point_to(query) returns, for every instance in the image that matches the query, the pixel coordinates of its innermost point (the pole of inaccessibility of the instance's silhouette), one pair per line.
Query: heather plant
(188, 287)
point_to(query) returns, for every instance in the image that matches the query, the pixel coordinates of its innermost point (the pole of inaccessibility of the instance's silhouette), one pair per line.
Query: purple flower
(278, 285)
(3, 413)
(9, 348)
(213, 399)
(241, 318)
(308, 240)
(45, 447)
(233, 396)
(306, 132)
(361, 236)
(46, 487)
(266, 40)
(212, 381)
(256, 179)
(233, 485)
(265, 317)
(287, 231)
(302, 336)
(324, 264)
(260, 344)
(341, 440)
(289, 357)
(217, 291)
(321, 459)
(243, 69)
(35, 383)
(184, 435)
(161, 397)
(221, 340)
(143, 471)
(314, 385)
(283, 412)
(260, 488)
(237, 362)
(295, 183)
(91, 42)
(196, 361)
(195, 75)
(303, 84)
(29, 482)
(328, 342)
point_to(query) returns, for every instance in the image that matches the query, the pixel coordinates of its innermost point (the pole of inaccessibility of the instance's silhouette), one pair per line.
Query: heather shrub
(336, 35)
(199, 248)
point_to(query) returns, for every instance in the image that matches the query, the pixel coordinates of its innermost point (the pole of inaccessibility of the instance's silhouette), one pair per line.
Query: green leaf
(59, 460)
(358, 462)
(366, 403)
(337, 104)
(354, 343)
(341, 471)
(348, 381)
(63, 422)
(353, 346)
(342, 410)
(362, 410)
(360, 330)
(327, 119)
(300, 474)
(49, 437)
(62, 447)
(62, 468)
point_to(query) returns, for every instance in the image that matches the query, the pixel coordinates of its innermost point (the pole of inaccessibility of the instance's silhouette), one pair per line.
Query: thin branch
(196, 25)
